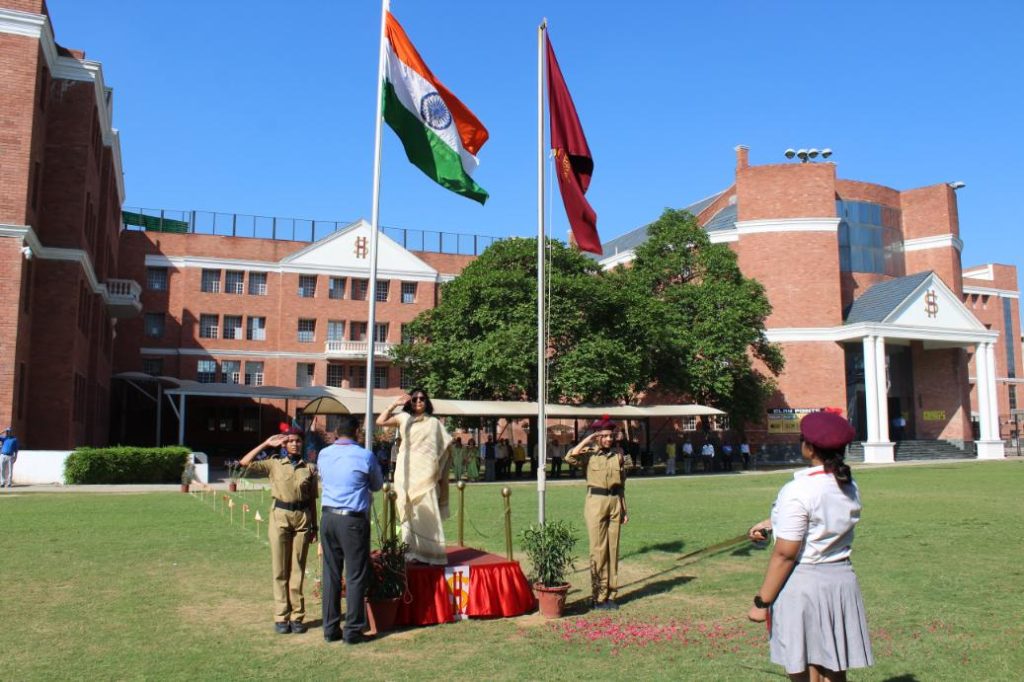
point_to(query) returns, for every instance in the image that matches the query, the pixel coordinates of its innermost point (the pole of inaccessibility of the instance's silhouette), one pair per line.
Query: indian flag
(440, 134)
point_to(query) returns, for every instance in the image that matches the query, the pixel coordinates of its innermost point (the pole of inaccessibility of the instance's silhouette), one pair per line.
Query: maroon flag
(573, 163)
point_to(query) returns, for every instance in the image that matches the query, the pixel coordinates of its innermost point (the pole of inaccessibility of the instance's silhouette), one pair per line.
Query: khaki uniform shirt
(288, 483)
(604, 468)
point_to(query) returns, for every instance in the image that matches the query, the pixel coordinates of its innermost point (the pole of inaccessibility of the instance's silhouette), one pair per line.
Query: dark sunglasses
(418, 399)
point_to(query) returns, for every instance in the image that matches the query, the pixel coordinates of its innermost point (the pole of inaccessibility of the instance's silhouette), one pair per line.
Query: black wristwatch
(760, 603)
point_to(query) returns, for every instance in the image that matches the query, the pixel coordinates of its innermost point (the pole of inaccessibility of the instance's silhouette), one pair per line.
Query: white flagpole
(371, 294)
(542, 346)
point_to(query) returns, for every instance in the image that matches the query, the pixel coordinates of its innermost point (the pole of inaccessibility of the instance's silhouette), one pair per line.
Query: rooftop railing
(292, 229)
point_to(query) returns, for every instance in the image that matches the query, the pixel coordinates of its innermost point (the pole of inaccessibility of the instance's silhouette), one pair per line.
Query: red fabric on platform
(498, 590)
(430, 603)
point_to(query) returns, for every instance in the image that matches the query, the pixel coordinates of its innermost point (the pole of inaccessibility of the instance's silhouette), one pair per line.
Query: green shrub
(125, 464)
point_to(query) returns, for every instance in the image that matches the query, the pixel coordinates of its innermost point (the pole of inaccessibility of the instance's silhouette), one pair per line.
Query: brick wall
(794, 190)
(941, 384)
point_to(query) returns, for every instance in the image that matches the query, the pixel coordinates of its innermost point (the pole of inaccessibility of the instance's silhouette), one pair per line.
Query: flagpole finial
(544, 24)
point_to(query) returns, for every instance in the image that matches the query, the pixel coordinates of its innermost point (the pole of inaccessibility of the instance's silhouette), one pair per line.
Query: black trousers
(346, 542)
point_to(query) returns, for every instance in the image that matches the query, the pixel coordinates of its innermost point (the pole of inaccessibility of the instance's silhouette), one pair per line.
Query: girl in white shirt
(810, 595)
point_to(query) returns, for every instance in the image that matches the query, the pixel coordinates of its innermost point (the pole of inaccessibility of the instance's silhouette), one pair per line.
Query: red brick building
(871, 306)
(61, 191)
(866, 284)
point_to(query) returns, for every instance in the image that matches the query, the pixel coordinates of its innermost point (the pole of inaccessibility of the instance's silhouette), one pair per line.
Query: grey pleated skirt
(818, 619)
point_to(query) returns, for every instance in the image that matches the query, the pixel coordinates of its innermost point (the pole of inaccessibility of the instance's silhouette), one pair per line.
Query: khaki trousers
(603, 516)
(288, 547)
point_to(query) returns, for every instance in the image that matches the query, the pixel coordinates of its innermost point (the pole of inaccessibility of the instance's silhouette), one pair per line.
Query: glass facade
(869, 238)
(1009, 333)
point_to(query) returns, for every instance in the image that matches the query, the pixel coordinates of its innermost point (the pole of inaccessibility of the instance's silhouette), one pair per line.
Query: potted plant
(387, 584)
(187, 475)
(549, 547)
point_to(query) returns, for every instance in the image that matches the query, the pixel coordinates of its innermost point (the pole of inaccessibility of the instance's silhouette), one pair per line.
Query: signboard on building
(934, 415)
(787, 419)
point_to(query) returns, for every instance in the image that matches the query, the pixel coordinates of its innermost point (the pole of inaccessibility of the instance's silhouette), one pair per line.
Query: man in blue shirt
(350, 474)
(8, 456)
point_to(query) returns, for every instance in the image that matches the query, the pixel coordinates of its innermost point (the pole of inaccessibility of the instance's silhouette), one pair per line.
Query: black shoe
(335, 637)
(611, 605)
(282, 628)
(600, 605)
(357, 638)
(298, 627)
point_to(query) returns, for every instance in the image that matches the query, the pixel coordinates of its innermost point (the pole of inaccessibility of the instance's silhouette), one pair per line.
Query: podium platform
(473, 584)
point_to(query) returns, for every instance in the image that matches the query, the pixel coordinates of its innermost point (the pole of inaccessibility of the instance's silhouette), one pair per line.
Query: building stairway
(919, 450)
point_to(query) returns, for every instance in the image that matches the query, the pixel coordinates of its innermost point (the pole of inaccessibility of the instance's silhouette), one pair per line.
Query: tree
(700, 321)
(480, 342)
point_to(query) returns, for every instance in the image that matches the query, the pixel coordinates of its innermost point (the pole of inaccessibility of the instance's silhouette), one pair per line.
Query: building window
(210, 283)
(21, 390)
(257, 284)
(230, 372)
(307, 331)
(250, 420)
(307, 286)
(689, 423)
(304, 374)
(78, 406)
(869, 238)
(380, 376)
(1012, 395)
(383, 287)
(154, 325)
(337, 288)
(357, 376)
(233, 327)
(335, 375)
(208, 326)
(206, 371)
(335, 330)
(254, 373)
(234, 282)
(256, 329)
(408, 292)
(153, 366)
(357, 331)
(359, 288)
(1009, 333)
(380, 332)
(720, 422)
(156, 279)
(405, 380)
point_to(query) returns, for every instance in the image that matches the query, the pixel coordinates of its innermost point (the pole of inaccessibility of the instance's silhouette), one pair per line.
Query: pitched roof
(878, 302)
(635, 238)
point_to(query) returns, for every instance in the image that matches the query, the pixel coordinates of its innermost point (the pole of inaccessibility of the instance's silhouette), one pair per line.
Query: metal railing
(355, 348)
(292, 229)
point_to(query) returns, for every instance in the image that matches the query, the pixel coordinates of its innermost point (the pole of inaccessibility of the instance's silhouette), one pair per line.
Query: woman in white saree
(421, 475)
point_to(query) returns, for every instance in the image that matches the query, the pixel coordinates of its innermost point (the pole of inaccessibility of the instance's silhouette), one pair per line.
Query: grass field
(162, 586)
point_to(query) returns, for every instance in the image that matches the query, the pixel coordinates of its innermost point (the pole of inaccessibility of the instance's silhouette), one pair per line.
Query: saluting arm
(574, 455)
(274, 441)
(385, 418)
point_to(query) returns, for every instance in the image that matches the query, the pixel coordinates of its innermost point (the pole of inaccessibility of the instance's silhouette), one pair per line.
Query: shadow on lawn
(906, 677)
(656, 587)
(672, 547)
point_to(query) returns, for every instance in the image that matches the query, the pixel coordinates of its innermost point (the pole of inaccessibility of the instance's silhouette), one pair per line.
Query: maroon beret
(603, 424)
(826, 430)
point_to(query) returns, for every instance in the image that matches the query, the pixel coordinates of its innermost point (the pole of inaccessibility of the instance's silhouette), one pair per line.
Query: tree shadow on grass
(657, 587)
(672, 547)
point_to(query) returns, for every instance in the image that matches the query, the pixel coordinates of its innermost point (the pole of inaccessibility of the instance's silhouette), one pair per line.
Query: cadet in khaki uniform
(605, 509)
(291, 526)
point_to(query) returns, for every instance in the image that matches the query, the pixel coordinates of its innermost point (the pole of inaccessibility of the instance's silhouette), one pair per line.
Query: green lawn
(162, 586)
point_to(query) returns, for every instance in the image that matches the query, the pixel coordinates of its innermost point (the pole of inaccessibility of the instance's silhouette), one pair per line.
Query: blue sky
(268, 107)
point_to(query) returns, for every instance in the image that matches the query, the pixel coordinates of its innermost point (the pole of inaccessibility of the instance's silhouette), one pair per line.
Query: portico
(922, 314)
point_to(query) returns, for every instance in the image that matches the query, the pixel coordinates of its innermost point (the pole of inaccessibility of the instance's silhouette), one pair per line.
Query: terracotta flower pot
(232, 487)
(380, 614)
(550, 600)
(184, 487)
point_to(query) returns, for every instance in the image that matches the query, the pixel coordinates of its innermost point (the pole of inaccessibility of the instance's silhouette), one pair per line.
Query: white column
(993, 396)
(989, 446)
(981, 388)
(870, 388)
(883, 390)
